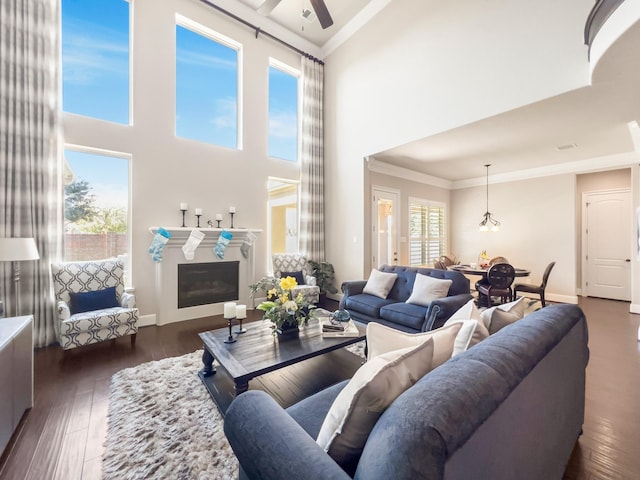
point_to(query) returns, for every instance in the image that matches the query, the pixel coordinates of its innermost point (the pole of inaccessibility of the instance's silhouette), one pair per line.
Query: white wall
(167, 170)
(538, 226)
(423, 67)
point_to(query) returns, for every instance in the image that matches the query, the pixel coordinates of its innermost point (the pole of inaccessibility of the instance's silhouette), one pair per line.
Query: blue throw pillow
(97, 300)
(299, 276)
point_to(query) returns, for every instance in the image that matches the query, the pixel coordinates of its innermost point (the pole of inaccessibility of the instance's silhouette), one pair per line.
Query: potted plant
(325, 276)
(285, 310)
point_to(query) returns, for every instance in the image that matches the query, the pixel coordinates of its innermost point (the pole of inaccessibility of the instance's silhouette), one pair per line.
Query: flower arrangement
(282, 307)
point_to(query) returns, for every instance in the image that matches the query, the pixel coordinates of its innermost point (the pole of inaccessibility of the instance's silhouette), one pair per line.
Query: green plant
(325, 276)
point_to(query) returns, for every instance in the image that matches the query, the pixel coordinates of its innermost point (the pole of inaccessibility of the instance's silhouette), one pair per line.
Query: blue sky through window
(95, 58)
(283, 115)
(206, 89)
(108, 176)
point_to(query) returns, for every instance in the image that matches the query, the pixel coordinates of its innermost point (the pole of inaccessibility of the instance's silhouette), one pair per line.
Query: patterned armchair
(91, 303)
(296, 264)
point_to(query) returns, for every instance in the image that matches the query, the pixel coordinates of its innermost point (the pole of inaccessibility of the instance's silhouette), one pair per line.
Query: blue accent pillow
(299, 276)
(89, 301)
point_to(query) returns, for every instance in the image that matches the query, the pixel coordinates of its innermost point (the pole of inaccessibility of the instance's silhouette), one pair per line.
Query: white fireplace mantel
(166, 290)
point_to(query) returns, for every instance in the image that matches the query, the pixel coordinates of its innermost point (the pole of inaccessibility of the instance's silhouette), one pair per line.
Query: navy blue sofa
(511, 407)
(394, 312)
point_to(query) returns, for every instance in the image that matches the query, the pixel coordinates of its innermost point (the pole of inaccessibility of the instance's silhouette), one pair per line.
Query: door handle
(627, 259)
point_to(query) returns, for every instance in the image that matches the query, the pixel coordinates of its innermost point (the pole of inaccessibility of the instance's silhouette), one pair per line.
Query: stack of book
(339, 329)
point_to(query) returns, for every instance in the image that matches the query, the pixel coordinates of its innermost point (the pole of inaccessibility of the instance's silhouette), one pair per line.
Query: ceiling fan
(318, 6)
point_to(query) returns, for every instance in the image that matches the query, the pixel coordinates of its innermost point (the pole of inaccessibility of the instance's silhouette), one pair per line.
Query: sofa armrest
(63, 310)
(353, 287)
(128, 300)
(270, 444)
(440, 310)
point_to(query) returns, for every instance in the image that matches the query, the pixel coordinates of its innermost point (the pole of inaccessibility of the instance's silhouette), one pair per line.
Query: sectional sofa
(510, 407)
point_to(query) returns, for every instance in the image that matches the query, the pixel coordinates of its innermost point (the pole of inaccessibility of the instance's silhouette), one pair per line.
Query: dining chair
(499, 280)
(493, 261)
(438, 265)
(535, 289)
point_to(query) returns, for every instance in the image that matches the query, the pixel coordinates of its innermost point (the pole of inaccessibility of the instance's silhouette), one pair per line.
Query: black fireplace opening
(206, 283)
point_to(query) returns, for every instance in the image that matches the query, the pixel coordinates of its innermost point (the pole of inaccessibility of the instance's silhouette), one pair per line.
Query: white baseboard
(634, 308)
(147, 320)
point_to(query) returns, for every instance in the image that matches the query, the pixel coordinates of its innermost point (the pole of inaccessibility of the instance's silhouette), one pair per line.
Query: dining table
(477, 270)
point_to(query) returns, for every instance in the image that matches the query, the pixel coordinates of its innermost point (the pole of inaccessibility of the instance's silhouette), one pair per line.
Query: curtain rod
(259, 31)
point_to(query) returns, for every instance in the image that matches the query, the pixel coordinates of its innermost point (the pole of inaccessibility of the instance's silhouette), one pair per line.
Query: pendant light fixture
(489, 223)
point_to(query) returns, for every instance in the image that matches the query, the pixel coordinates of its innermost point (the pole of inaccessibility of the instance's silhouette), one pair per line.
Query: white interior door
(607, 236)
(384, 249)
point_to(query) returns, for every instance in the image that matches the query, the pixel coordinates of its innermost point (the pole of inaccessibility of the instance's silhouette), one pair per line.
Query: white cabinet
(16, 373)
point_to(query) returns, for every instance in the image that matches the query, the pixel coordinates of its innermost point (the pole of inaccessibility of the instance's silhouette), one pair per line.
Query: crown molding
(598, 164)
(356, 23)
(406, 174)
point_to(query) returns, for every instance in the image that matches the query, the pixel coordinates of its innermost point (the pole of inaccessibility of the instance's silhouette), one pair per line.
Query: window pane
(427, 232)
(206, 89)
(283, 115)
(283, 216)
(96, 204)
(95, 59)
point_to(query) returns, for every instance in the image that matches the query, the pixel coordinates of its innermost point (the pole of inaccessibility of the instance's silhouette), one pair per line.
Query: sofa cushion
(406, 314)
(299, 276)
(426, 289)
(96, 300)
(469, 312)
(366, 304)
(379, 283)
(372, 389)
(382, 339)
(500, 316)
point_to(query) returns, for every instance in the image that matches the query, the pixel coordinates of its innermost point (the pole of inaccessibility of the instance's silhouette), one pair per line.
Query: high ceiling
(580, 125)
(288, 13)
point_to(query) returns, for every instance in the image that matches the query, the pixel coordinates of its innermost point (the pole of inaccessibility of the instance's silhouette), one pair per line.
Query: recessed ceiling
(288, 13)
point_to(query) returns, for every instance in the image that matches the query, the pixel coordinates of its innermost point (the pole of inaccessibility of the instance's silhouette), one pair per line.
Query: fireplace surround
(169, 308)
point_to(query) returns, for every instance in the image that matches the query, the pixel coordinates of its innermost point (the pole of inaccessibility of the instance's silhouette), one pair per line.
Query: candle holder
(198, 217)
(183, 213)
(232, 214)
(240, 328)
(230, 338)
(218, 226)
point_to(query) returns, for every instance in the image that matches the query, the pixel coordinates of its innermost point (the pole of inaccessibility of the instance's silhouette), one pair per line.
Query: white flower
(290, 307)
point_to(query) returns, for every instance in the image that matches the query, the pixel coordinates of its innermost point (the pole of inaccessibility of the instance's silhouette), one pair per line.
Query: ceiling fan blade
(267, 7)
(322, 13)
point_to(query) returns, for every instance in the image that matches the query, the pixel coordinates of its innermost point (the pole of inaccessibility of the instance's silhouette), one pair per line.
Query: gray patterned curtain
(312, 162)
(29, 119)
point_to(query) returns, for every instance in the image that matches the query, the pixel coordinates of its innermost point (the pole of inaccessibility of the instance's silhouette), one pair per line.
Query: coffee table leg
(207, 361)
(241, 387)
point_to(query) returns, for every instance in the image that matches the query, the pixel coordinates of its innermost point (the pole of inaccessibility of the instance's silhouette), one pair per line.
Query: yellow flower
(288, 283)
(272, 293)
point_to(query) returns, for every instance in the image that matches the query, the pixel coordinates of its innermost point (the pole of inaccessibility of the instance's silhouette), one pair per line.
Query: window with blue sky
(206, 87)
(96, 204)
(283, 112)
(95, 59)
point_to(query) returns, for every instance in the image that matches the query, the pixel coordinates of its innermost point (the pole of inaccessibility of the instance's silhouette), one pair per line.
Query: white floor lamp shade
(17, 250)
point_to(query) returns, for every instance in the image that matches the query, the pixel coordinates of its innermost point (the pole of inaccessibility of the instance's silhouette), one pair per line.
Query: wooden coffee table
(258, 352)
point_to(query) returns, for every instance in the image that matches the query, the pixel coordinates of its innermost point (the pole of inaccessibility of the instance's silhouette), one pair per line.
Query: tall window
(95, 59)
(206, 85)
(96, 205)
(427, 231)
(283, 112)
(283, 215)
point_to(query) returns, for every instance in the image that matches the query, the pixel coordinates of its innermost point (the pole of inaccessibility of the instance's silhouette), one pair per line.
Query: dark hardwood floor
(61, 437)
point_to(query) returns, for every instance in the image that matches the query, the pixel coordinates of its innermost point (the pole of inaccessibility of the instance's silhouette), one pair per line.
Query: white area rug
(163, 425)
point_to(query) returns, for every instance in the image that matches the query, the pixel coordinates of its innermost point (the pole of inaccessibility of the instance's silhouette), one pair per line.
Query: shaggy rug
(163, 424)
